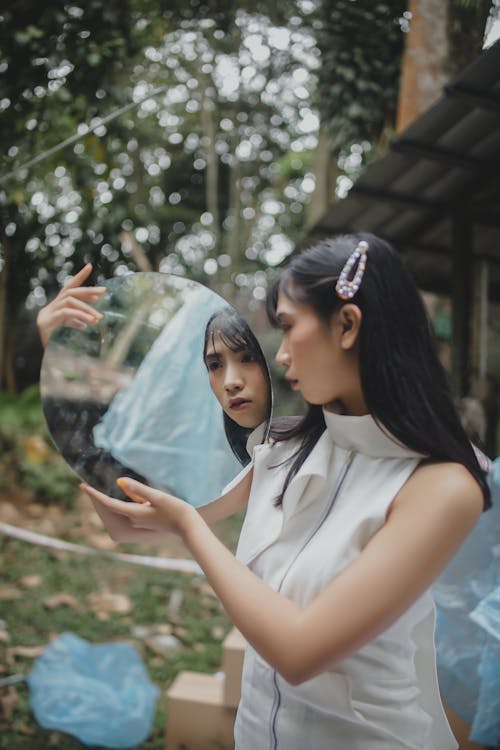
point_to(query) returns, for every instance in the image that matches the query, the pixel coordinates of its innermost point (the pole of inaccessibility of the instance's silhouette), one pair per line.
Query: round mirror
(140, 393)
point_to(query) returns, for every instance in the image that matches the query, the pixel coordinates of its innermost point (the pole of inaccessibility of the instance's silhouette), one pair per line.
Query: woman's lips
(294, 384)
(238, 404)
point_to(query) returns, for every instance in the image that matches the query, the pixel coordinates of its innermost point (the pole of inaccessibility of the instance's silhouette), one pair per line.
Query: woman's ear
(349, 321)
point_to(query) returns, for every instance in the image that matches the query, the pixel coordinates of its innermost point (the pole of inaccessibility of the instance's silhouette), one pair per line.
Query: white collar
(364, 435)
(256, 437)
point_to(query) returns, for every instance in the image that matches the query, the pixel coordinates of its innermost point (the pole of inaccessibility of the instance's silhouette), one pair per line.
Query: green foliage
(361, 46)
(23, 412)
(50, 481)
(27, 457)
(466, 26)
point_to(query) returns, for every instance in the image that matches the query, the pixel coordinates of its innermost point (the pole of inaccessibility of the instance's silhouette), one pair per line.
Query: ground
(173, 619)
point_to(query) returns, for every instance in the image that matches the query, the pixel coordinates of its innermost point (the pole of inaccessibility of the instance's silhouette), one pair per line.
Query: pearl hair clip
(347, 289)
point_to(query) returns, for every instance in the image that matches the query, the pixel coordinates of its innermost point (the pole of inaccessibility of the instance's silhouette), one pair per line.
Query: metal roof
(443, 170)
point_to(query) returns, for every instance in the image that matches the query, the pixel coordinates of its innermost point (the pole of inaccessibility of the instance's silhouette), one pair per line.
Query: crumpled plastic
(467, 597)
(101, 694)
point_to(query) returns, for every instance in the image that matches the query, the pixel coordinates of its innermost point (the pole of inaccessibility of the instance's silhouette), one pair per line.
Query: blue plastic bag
(100, 693)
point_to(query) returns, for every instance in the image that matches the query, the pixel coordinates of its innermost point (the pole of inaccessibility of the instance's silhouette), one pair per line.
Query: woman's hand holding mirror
(152, 515)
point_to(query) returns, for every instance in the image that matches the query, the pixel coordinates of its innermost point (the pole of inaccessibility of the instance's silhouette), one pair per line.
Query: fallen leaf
(106, 603)
(29, 652)
(31, 582)
(164, 628)
(174, 604)
(59, 554)
(101, 541)
(35, 510)
(207, 590)
(36, 449)
(163, 644)
(157, 661)
(9, 513)
(180, 632)
(25, 729)
(60, 600)
(8, 593)
(143, 631)
(218, 632)
(8, 701)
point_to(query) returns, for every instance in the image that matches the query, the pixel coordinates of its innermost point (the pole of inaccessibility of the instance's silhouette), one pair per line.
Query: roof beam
(437, 154)
(392, 196)
(486, 218)
(482, 99)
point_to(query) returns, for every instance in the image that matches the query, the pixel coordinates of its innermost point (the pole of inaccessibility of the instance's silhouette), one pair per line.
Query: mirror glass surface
(137, 393)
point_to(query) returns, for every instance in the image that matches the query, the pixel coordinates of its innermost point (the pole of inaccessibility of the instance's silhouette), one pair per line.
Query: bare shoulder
(446, 488)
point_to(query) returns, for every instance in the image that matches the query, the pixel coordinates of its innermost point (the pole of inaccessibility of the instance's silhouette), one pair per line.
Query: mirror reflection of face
(238, 381)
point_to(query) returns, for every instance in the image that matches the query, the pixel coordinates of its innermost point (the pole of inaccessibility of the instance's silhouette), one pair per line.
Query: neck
(354, 406)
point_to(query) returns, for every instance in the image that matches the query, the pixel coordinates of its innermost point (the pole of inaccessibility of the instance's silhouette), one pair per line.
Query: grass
(199, 623)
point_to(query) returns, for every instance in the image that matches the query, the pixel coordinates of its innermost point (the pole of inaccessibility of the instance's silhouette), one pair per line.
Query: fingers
(117, 506)
(80, 277)
(73, 304)
(138, 492)
(75, 285)
(87, 293)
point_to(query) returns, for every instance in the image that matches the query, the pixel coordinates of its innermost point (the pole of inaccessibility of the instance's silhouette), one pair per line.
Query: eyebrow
(213, 355)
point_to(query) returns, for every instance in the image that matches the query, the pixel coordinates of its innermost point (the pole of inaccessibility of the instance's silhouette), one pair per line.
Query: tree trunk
(424, 67)
(208, 110)
(326, 171)
(233, 214)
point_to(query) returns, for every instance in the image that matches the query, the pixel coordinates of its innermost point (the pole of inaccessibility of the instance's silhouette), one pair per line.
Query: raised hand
(71, 307)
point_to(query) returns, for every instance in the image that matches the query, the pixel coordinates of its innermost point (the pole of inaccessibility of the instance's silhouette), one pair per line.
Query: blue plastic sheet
(167, 425)
(467, 597)
(100, 693)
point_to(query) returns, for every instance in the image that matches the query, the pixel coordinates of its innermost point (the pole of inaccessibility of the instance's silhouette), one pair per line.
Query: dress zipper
(316, 528)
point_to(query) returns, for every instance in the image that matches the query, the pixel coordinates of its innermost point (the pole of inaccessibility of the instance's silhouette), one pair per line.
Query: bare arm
(230, 503)
(429, 519)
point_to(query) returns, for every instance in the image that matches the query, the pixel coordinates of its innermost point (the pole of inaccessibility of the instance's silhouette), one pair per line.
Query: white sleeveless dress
(385, 696)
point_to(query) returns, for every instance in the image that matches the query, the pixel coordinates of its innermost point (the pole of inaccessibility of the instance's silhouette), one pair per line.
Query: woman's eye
(212, 366)
(249, 357)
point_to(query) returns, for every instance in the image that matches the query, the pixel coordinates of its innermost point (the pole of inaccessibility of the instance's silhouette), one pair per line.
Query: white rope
(19, 171)
(164, 563)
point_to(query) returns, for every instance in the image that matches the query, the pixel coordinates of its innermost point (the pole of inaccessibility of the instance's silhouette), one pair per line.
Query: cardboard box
(197, 718)
(232, 665)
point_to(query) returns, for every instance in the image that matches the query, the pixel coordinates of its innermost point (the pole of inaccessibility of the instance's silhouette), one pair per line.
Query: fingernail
(122, 483)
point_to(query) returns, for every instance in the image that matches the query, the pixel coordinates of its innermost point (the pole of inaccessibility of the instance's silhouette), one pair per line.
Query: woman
(351, 516)
(239, 379)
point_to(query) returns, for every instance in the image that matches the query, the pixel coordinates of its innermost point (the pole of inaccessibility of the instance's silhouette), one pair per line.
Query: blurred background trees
(230, 129)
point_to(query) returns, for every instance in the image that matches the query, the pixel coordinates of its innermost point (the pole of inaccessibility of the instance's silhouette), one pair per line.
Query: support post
(461, 298)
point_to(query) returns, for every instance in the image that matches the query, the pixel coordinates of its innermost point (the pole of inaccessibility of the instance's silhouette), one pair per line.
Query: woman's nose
(282, 357)
(233, 380)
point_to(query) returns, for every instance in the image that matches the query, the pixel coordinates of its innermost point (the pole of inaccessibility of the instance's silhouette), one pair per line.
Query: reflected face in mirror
(237, 369)
(130, 395)
(238, 382)
(239, 379)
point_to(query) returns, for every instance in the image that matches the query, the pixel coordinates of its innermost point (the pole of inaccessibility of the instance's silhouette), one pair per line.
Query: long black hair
(237, 335)
(404, 384)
